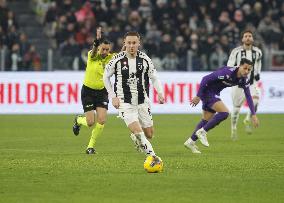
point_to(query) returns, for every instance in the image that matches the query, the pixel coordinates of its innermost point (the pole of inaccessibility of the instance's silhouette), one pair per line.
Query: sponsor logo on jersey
(124, 68)
(227, 83)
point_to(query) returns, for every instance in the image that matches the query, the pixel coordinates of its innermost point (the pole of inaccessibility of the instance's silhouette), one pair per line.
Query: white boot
(202, 136)
(190, 144)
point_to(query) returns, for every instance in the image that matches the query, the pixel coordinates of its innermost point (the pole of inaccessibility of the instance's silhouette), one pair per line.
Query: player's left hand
(99, 33)
(115, 102)
(161, 99)
(255, 121)
(194, 101)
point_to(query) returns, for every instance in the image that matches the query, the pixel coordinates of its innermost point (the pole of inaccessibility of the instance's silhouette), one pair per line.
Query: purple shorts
(208, 101)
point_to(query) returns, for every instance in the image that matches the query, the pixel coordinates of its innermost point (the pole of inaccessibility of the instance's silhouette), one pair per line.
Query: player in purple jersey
(214, 110)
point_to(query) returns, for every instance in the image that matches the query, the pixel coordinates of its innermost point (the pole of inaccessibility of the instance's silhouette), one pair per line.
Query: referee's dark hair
(247, 61)
(132, 33)
(246, 31)
(98, 42)
(105, 41)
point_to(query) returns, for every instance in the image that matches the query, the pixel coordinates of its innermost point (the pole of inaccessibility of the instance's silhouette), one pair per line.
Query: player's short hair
(132, 33)
(247, 61)
(246, 31)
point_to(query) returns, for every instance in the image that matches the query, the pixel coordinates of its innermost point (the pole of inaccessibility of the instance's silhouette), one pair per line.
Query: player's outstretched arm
(155, 81)
(158, 86)
(109, 71)
(96, 41)
(254, 118)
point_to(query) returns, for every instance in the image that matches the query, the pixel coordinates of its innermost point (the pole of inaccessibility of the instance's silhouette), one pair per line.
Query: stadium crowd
(172, 30)
(22, 55)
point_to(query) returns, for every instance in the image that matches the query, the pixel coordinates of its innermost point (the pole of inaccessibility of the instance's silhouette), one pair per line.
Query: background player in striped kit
(133, 69)
(250, 52)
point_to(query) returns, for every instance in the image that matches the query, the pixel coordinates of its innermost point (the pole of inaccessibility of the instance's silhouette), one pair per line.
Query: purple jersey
(215, 82)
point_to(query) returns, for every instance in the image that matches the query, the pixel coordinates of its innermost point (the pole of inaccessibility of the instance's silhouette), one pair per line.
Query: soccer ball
(153, 164)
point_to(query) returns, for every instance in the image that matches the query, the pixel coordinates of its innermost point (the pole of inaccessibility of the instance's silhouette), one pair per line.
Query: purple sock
(218, 118)
(199, 125)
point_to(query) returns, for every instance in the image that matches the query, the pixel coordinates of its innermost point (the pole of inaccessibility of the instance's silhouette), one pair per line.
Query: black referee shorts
(91, 99)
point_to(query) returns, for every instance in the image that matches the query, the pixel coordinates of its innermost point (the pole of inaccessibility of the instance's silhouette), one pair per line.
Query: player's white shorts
(238, 95)
(131, 113)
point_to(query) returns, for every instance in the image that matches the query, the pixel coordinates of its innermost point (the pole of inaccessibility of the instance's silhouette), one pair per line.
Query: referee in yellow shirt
(94, 96)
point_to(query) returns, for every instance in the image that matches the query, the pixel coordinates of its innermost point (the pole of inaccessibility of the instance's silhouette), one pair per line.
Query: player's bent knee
(225, 115)
(149, 135)
(90, 123)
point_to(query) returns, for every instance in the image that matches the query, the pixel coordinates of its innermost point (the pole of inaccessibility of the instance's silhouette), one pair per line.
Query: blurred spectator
(11, 20)
(32, 60)
(3, 15)
(180, 48)
(145, 9)
(15, 61)
(50, 20)
(170, 62)
(218, 57)
(157, 62)
(12, 36)
(3, 37)
(205, 29)
(85, 13)
(24, 44)
(70, 52)
(167, 45)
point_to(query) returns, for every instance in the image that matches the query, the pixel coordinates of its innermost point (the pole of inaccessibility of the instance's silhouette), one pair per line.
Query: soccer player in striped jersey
(248, 51)
(209, 93)
(133, 69)
(94, 96)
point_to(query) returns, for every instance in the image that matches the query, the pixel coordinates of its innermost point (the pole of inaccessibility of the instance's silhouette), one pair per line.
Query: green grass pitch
(42, 161)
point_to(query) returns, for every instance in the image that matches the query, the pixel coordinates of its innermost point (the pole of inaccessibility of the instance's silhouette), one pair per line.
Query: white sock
(235, 117)
(145, 144)
(133, 138)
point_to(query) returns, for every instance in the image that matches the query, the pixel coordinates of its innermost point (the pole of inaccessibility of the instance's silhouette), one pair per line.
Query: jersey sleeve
(211, 78)
(232, 58)
(109, 71)
(152, 74)
(249, 99)
(258, 64)
(90, 56)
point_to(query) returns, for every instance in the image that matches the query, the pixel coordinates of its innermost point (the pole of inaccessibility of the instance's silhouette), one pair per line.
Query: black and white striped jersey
(253, 54)
(131, 77)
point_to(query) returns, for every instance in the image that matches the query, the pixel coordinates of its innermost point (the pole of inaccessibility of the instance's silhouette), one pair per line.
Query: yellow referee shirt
(95, 70)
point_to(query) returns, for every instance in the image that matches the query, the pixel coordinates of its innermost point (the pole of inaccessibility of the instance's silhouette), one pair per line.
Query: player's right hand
(115, 102)
(194, 101)
(255, 121)
(161, 99)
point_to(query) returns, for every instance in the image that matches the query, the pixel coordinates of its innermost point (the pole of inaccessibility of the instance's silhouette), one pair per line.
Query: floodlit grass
(42, 161)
